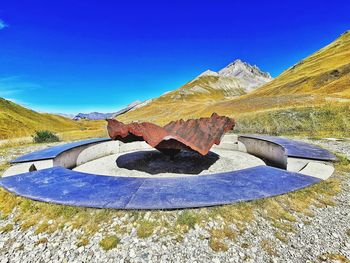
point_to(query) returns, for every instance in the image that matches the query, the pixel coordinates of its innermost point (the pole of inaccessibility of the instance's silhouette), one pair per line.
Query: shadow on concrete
(155, 162)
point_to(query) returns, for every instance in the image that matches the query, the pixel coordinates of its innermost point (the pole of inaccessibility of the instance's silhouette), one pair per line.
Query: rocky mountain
(103, 116)
(248, 76)
(236, 79)
(129, 107)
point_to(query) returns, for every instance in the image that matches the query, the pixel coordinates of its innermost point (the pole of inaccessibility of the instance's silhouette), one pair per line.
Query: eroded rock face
(196, 134)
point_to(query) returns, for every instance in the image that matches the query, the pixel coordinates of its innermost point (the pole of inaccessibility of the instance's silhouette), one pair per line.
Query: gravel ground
(327, 232)
(12, 153)
(337, 146)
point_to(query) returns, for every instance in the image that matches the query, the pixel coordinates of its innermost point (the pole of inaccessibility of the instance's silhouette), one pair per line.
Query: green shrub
(45, 136)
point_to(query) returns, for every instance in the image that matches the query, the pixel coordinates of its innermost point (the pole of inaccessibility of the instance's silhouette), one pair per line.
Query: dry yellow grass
(324, 72)
(17, 121)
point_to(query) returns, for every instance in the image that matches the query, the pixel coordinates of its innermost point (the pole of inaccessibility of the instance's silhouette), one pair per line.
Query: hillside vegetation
(17, 121)
(212, 88)
(319, 85)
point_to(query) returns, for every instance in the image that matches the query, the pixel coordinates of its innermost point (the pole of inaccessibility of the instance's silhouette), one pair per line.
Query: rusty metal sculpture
(196, 134)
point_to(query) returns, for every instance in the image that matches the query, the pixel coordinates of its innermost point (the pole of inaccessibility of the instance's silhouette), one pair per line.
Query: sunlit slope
(206, 87)
(187, 101)
(17, 121)
(324, 72)
(323, 77)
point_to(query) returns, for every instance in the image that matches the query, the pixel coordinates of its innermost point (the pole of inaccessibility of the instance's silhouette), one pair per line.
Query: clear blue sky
(80, 56)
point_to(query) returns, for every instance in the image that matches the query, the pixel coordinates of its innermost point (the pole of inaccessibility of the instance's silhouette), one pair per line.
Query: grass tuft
(269, 247)
(189, 219)
(225, 232)
(6, 229)
(282, 237)
(83, 241)
(145, 229)
(109, 242)
(43, 240)
(217, 245)
(42, 228)
(330, 257)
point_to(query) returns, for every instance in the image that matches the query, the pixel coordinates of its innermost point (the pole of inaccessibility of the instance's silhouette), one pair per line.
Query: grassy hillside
(317, 90)
(206, 88)
(323, 77)
(325, 72)
(197, 94)
(17, 121)
(328, 120)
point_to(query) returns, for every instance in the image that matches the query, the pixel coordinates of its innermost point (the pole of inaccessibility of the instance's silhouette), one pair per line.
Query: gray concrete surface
(227, 161)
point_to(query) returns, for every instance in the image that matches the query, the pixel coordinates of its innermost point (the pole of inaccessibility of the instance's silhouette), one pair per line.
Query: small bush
(109, 242)
(44, 137)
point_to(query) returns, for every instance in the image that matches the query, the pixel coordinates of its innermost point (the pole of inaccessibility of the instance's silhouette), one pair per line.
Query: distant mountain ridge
(66, 115)
(92, 116)
(103, 116)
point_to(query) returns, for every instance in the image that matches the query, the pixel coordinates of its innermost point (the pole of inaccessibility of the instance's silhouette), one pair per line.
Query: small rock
(132, 253)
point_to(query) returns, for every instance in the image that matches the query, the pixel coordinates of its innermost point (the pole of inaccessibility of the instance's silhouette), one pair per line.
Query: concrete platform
(49, 180)
(63, 186)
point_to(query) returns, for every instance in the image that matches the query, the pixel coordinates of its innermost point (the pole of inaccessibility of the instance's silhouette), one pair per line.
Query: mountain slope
(17, 121)
(323, 77)
(249, 77)
(208, 88)
(324, 72)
